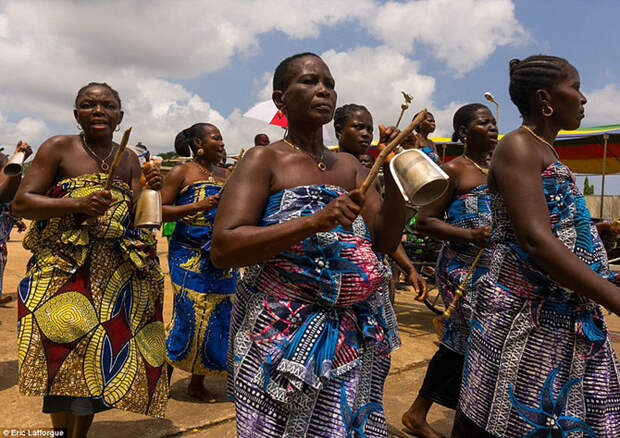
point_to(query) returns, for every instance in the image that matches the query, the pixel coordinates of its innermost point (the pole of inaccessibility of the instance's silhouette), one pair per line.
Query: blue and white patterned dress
(430, 151)
(540, 362)
(470, 210)
(442, 381)
(311, 332)
(6, 225)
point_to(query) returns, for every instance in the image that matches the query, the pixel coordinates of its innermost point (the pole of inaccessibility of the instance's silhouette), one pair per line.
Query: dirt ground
(186, 416)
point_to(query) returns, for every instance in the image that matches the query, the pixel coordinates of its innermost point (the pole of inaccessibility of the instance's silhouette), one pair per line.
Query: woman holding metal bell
(354, 128)
(91, 335)
(309, 345)
(198, 337)
(9, 182)
(462, 219)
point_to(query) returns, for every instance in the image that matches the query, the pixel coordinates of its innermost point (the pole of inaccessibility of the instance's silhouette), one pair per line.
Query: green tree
(588, 189)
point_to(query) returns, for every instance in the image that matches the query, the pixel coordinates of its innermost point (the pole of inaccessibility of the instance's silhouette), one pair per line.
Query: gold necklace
(103, 165)
(203, 169)
(320, 162)
(480, 168)
(539, 138)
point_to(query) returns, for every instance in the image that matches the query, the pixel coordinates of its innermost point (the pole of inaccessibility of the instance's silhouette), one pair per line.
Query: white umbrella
(268, 112)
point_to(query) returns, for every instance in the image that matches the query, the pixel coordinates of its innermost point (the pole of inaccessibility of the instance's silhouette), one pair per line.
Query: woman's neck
(479, 156)
(308, 140)
(209, 165)
(98, 143)
(542, 126)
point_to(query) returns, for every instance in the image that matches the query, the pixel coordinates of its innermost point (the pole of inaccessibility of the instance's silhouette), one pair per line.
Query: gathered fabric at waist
(303, 343)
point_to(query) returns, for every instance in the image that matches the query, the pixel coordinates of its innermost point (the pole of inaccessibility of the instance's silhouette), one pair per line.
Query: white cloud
(141, 47)
(374, 77)
(24, 129)
(602, 107)
(462, 33)
(49, 49)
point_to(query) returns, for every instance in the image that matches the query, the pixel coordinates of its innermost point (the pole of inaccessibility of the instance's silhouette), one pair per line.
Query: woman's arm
(173, 184)
(10, 184)
(516, 172)
(32, 203)
(413, 277)
(238, 241)
(386, 219)
(431, 217)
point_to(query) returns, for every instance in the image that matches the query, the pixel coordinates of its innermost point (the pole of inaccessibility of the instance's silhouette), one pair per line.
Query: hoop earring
(547, 110)
(118, 128)
(79, 127)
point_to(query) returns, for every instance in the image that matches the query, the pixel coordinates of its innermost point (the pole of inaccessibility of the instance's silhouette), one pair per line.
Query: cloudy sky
(179, 62)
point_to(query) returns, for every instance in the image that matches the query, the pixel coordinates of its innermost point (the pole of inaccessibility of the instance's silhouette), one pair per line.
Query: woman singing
(198, 337)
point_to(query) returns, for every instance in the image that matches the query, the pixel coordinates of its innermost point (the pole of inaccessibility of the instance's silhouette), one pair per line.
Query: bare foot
(419, 427)
(201, 394)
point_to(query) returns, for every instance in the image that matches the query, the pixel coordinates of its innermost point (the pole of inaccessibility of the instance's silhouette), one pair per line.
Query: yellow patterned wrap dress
(90, 307)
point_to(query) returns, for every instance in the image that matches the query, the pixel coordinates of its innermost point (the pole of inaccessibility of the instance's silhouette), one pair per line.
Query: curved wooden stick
(391, 145)
(459, 290)
(117, 159)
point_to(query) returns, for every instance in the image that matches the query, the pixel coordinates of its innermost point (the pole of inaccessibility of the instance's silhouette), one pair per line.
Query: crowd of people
(281, 271)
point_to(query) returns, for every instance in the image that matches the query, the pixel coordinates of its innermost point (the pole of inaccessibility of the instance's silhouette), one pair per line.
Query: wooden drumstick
(370, 179)
(117, 159)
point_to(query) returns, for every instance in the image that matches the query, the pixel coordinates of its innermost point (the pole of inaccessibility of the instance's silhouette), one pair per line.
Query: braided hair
(343, 113)
(531, 74)
(98, 84)
(184, 141)
(463, 117)
(279, 76)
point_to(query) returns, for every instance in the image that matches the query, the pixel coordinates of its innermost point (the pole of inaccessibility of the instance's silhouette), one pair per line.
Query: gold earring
(547, 110)
(200, 152)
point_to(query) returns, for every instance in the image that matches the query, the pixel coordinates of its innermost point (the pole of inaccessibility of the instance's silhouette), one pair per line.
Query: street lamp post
(488, 96)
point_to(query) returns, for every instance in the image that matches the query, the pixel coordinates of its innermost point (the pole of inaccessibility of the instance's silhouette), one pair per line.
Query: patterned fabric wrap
(430, 151)
(312, 330)
(6, 225)
(470, 210)
(90, 307)
(198, 338)
(540, 362)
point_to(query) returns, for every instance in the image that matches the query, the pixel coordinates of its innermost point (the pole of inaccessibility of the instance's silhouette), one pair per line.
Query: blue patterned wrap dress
(470, 210)
(430, 151)
(442, 381)
(312, 329)
(540, 362)
(6, 225)
(197, 340)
